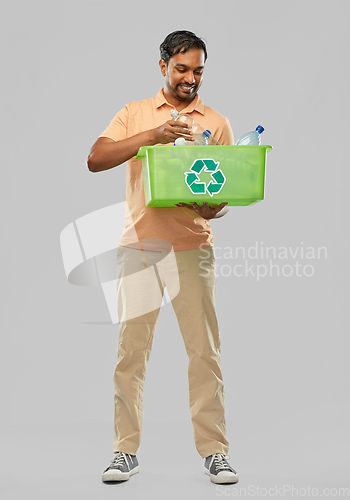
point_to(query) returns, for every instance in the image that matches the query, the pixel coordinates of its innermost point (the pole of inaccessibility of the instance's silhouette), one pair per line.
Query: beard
(183, 95)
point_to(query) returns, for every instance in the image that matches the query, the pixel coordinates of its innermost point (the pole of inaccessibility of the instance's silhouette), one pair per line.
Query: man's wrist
(152, 139)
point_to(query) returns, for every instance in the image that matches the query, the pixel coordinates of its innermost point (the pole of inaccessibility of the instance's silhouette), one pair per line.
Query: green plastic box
(174, 174)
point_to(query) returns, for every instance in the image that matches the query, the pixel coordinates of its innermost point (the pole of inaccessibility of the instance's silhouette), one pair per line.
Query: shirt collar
(196, 104)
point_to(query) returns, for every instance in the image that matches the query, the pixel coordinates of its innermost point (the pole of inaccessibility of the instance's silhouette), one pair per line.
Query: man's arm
(106, 153)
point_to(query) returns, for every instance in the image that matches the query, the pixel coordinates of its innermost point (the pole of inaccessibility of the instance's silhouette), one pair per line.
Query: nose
(189, 78)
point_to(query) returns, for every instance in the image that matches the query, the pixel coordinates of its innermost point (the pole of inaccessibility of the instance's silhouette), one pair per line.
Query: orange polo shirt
(148, 227)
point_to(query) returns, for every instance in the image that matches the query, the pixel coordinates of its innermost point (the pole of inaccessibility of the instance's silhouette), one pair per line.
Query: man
(152, 237)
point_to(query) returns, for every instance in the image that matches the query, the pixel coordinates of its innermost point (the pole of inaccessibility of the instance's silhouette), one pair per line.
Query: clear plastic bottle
(201, 137)
(182, 118)
(251, 138)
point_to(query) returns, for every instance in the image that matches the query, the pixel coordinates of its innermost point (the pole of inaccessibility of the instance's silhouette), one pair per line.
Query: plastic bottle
(201, 137)
(251, 138)
(180, 141)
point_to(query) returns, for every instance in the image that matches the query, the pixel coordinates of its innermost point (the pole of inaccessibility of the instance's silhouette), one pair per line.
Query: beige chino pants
(190, 280)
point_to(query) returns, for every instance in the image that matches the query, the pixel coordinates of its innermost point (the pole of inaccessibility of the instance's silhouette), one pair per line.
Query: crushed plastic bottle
(182, 118)
(251, 138)
(201, 137)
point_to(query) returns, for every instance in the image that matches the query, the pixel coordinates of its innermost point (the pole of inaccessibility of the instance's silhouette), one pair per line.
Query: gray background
(68, 67)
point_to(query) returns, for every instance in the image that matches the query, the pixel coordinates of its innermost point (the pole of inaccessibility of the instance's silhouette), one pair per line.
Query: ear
(163, 67)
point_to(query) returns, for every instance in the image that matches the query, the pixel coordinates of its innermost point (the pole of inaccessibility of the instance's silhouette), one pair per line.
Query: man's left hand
(206, 211)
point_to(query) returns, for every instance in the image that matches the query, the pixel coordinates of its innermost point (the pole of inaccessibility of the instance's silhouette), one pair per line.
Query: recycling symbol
(208, 165)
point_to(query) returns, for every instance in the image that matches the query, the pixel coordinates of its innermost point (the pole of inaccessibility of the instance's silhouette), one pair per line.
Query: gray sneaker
(122, 467)
(219, 470)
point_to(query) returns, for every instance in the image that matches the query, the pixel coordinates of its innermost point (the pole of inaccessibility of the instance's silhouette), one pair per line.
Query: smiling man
(149, 236)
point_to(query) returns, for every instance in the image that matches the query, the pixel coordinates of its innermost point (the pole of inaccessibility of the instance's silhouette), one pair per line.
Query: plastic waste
(180, 141)
(201, 137)
(251, 138)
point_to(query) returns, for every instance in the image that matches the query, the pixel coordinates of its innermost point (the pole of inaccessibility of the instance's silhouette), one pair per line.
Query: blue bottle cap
(259, 129)
(207, 134)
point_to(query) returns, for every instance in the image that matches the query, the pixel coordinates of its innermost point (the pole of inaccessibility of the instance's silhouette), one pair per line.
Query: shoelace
(119, 459)
(220, 461)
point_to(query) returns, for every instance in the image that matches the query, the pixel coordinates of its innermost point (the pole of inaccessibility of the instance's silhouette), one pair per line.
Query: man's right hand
(170, 131)
(106, 153)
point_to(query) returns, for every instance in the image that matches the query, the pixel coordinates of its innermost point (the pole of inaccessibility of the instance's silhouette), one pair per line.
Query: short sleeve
(117, 130)
(226, 137)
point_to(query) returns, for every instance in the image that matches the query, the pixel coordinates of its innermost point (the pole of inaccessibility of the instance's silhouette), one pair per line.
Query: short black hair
(180, 41)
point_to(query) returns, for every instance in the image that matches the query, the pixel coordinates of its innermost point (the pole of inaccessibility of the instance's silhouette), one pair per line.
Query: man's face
(183, 75)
